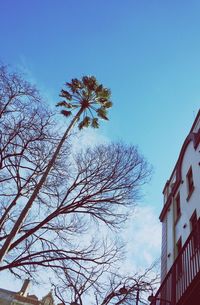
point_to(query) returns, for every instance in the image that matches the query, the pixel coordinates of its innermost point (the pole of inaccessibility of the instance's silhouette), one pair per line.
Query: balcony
(181, 286)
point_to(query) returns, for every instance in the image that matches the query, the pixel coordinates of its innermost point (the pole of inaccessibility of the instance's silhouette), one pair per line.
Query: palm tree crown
(90, 97)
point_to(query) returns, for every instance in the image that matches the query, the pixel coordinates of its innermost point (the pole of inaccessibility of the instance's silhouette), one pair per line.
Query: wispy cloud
(143, 237)
(87, 138)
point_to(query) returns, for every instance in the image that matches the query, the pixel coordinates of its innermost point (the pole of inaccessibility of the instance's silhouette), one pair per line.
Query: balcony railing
(183, 272)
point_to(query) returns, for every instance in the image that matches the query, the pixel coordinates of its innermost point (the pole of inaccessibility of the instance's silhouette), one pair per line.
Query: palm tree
(89, 97)
(91, 101)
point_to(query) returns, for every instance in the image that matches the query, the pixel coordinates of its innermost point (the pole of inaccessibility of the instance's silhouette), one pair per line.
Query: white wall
(170, 237)
(191, 158)
(182, 227)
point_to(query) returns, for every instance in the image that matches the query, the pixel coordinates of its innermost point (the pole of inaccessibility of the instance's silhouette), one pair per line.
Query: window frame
(190, 183)
(179, 263)
(193, 220)
(194, 229)
(177, 207)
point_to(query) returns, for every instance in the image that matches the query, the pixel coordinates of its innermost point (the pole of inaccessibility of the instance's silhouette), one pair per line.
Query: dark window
(179, 262)
(193, 220)
(179, 246)
(177, 206)
(190, 183)
(194, 229)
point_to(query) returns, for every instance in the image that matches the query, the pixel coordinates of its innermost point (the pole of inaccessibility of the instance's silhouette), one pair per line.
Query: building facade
(23, 297)
(180, 254)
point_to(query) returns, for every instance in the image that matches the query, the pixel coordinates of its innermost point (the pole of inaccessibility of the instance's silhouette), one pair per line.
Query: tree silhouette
(77, 197)
(105, 289)
(88, 98)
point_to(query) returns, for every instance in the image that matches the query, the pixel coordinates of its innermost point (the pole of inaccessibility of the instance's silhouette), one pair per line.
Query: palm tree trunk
(6, 246)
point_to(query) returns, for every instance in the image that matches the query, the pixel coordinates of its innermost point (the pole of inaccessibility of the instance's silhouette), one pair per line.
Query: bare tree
(76, 197)
(85, 96)
(102, 187)
(25, 144)
(101, 288)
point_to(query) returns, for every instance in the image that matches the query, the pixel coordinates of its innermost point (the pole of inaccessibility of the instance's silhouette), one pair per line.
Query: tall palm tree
(90, 100)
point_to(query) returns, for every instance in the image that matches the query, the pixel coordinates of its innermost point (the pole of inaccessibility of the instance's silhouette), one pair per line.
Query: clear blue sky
(147, 52)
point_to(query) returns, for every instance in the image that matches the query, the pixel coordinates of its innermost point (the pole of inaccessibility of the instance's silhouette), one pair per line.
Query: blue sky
(146, 52)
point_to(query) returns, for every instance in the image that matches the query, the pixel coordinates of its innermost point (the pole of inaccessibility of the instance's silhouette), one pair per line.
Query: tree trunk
(6, 246)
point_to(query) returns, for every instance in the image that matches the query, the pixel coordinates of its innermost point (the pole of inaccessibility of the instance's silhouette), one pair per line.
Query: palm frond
(105, 93)
(108, 104)
(102, 113)
(64, 104)
(66, 95)
(99, 88)
(66, 113)
(85, 122)
(95, 123)
(81, 125)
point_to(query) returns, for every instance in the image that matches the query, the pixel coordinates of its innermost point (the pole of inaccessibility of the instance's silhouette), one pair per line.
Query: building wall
(170, 237)
(172, 230)
(182, 227)
(164, 250)
(22, 297)
(191, 158)
(6, 297)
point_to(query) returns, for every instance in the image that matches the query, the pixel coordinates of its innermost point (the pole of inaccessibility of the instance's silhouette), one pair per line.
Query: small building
(22, 297)
(180, 217)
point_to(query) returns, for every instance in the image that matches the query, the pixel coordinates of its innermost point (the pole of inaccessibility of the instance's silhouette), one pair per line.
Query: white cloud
(143, 236)
(88, 137)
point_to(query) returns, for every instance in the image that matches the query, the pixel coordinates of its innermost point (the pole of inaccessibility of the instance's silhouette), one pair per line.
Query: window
(179, 262)
(194, 229)
(190, 183)
(177, 207)
(193, 220)
(179, 246)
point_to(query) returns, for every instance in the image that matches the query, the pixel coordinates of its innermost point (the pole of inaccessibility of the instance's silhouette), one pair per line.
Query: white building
(180, 258)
